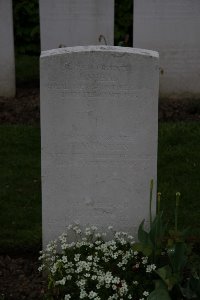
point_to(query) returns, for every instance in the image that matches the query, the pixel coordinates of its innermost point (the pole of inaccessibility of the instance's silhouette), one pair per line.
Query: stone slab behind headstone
(7, 62)
(76, 22)
(99, 136)
(171, 27)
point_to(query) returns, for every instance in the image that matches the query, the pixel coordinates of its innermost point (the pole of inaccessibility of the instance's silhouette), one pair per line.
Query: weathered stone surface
(7, 62)
(171, 27)
(99, 136)
(76, 22)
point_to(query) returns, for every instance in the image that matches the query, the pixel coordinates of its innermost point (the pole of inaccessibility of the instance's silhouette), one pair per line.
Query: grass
(20, 188)
(179, 170)
(27, 70)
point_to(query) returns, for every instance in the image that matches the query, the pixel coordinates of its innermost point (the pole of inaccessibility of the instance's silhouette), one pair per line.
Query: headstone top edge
(115, 49)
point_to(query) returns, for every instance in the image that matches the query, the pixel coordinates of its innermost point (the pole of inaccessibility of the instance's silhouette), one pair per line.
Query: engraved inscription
(92, 79)
(107, 88)
(102, 67)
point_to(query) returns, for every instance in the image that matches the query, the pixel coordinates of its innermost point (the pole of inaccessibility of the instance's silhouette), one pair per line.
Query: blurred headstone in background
(76, 23)
(7, 60)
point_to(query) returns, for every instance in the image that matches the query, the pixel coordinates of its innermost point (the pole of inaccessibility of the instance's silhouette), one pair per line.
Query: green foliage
(26, 26)
(194, 285)
(166, 250)
(123, 21)
(160, 292)
(172, 245)
(150, 242)
(27, 29)
(2, 297)
(177, 256)
(95, 268)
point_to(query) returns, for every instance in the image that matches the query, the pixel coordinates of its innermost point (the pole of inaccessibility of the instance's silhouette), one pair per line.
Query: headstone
(99, 115)
(76, 23)
(171, 27)
(7, 62)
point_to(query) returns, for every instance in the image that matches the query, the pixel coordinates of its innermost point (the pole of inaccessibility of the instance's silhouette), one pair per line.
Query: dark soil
(179, 110)
(19, 276)
(25, 108)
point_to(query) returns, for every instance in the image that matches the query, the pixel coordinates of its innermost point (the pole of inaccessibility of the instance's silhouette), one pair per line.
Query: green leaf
(164, 272)
(142, 234)
(138, 247)
(195, 285)
(160, 284)
(187, 292)
(157, 230)
(159, 294)
(185, 232)
(161, 291)
(169, 278)
(147, 250)
(191, 290)
(170, 243)
(177, 256)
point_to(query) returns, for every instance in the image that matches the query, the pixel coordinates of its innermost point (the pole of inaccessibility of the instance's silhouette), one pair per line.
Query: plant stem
(176, 210)
(158, 202)
(150, 202)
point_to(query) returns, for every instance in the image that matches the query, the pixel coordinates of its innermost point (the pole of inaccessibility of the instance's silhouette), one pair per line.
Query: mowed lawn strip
(20, 181)
(20, 188)
(179, 171)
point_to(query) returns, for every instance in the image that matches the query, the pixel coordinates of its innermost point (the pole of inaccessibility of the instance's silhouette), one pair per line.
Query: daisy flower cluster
(96, 267)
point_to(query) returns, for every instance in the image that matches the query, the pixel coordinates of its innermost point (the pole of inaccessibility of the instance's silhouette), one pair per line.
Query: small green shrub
(161, 265)
(26, 27)
(92, 268)
(169, 250)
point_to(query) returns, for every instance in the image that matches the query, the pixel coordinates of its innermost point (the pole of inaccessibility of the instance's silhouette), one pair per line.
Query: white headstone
(171, 27)
(99, 115)
(7, 61)
(76, 23)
